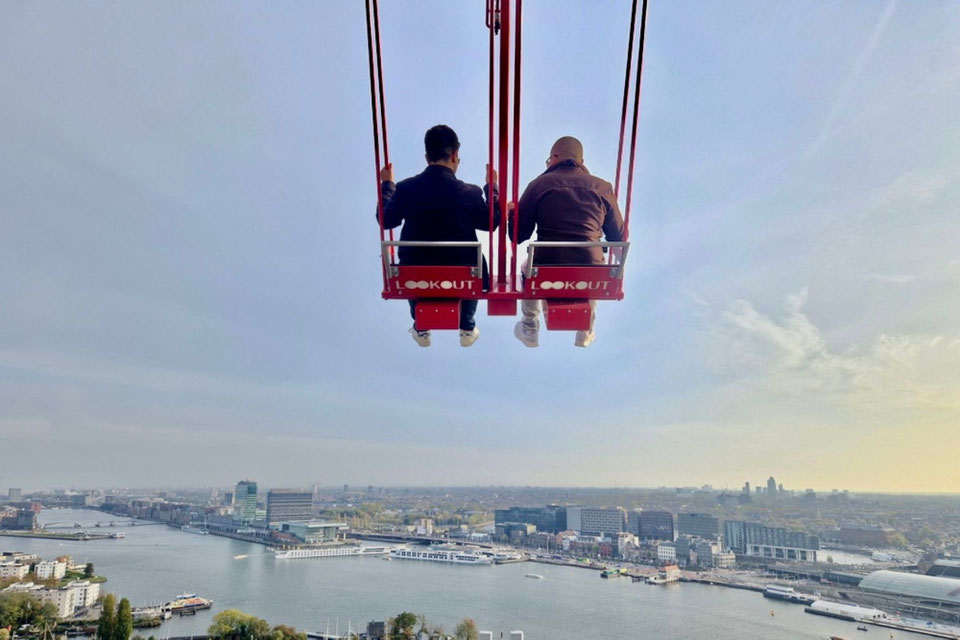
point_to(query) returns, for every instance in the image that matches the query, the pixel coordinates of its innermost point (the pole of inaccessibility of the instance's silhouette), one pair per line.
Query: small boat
(837, 638)
(535, 576)
(862, 628)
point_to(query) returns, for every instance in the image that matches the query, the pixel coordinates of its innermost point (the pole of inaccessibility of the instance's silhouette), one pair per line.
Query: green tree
(284, 632)
(123, 627)
(17, 609)
(233, 624)
(466, 630)
(402, 626)
(106, 628)
(88, 570)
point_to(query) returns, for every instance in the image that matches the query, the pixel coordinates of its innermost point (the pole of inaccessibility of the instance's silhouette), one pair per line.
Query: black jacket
(436, 206)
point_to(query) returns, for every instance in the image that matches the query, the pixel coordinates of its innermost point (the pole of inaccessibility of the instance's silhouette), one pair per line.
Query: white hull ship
(329, 552)
(440, 554)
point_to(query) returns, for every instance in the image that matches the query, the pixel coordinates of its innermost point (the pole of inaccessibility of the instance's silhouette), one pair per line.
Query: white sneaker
(422, 338)
(529, 336)
(467, 338)
(584, 338)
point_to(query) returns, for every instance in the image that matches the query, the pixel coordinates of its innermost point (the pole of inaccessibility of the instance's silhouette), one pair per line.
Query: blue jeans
(468, 309)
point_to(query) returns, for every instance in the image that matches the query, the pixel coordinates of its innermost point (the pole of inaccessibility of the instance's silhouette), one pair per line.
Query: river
(155, 563)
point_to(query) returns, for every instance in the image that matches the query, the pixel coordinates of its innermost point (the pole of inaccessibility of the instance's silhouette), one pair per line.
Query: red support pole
(491, 23)
(516, 142)
(503, 167)
(626, 94)
(636, 119)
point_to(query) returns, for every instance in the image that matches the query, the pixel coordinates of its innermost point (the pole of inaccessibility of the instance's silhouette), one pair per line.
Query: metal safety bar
(616, 269)
(392, 271)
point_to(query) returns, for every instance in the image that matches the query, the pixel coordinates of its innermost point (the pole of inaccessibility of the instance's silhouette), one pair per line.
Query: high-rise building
(655, 525)
(551, 519)
(289, 505)
(703, 525)
(771, 487)
(755, 539)
(245, 501)
(596, 521)
(227, 499)
(13, 495)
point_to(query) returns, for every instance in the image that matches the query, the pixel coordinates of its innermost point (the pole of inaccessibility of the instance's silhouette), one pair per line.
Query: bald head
(566, 148)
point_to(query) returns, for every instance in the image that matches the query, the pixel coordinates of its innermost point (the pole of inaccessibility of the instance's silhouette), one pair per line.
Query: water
(155, 563)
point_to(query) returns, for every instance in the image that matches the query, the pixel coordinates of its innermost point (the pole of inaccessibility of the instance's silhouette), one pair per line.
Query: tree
(402, 626)
(123, 627)
(88, 570)
(107, 626)
(284, 632)
(17, 609)
(466, 630)
(233, 624)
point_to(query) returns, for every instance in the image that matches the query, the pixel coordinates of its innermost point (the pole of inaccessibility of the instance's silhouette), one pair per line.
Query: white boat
(190, 529)
(535, 576)
(440, 554)
(329, 552)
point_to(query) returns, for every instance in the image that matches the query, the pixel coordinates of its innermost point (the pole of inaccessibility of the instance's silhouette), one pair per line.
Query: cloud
(892, 278)
(790, 355)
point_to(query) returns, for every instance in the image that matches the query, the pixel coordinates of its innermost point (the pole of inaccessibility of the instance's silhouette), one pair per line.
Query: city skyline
(191, 274)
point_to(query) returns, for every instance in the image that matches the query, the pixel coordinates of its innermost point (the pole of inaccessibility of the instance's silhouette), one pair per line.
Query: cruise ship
(786, 593)
(329, 552)
(441, 554)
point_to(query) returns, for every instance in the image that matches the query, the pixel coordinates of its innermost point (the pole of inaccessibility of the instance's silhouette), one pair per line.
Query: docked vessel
(118, 535)
(187, 603)
(191, 529)
(329, 552)
(786, 593)
(440, 554)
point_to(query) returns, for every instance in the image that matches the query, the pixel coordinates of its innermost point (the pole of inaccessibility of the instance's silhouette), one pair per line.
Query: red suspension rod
(503, 167)
(515, 178)
(373, 111)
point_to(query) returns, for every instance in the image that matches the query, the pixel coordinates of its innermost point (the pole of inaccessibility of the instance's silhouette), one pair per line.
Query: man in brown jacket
(566, 204)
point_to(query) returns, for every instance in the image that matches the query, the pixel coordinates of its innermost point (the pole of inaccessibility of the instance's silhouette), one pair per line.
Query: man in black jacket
(435, 206)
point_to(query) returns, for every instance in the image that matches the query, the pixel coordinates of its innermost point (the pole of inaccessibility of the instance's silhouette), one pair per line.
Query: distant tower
(772, 487)
(245, 501)
(746, 487)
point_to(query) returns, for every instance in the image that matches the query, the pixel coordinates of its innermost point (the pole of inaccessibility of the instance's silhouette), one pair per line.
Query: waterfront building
(13, 571)
(666, 553)
(19, 519)
(245, 501)
(51, 570)
(706, 551)
(655, 525)
(911, 594)
(288, 505)
(597, 521)
(755, 539)
(724, 560)
(682, 545)
(866, 535)
(551, 519)
(702, 525)
(316, 532)
(67, 600)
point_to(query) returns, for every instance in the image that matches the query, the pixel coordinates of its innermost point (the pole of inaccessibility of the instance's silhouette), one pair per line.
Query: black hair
(440, 142)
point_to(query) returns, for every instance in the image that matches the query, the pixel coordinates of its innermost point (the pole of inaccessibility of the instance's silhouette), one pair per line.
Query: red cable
(491, 24)
(626, 94)
(636, 118)
(504, 142)
(516, 143)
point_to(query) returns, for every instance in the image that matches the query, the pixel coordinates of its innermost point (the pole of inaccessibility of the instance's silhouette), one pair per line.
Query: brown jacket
(567, 204)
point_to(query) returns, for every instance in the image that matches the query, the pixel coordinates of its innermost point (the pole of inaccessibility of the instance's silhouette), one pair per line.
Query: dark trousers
(468, 308)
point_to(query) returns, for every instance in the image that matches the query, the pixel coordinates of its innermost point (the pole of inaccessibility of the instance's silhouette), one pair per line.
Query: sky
(190, 280)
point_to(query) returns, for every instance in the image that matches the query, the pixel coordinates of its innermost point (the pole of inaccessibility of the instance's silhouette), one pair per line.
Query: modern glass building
(755, 539)
(245, 501)
(702, 525)
(912, 594)
(289, 505)
(655, 525)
